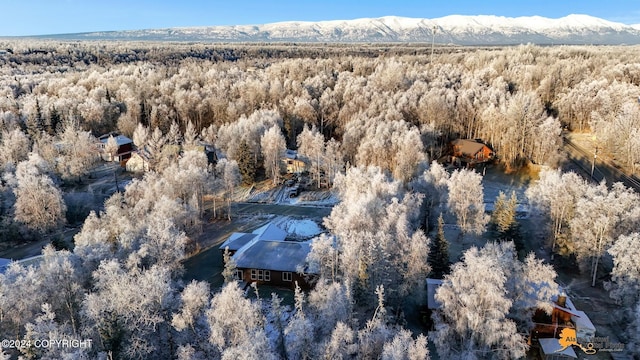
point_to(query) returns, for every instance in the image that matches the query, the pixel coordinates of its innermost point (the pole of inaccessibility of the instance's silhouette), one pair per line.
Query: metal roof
(468, 147)
(273, 255)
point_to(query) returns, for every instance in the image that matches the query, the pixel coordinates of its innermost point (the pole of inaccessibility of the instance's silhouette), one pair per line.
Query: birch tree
(39, 204)
(230, 174)
(625, 275)
(14, 147)
(556, 194)
(140, 136)
(601, 216)
(472, 321)
(273, 147)
(111, 147)
(311, 145)
(466, 200)
(233, 320)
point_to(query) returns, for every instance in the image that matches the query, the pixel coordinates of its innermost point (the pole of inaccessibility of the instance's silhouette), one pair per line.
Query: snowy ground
(267, 193)
(298, 228)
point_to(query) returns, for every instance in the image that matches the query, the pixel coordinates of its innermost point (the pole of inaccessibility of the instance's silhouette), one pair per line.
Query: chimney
(562, 300)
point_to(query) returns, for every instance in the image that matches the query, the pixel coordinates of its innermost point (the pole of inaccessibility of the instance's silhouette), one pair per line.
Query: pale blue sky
(40, 17)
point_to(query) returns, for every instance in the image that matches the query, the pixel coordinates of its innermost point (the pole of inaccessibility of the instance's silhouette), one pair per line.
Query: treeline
(516, 99)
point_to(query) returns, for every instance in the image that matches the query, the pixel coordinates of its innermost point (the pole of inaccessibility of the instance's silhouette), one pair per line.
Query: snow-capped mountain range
(454, 29)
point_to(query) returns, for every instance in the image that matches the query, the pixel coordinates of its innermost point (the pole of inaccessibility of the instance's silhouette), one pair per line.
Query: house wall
(276, 278)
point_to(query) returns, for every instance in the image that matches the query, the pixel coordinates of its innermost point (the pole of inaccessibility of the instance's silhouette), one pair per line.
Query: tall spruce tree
(439, 253)
(246, 163)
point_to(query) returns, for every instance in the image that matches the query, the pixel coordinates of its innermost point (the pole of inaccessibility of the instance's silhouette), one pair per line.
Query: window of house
(240, 274)
(286, 276)
(260, 275)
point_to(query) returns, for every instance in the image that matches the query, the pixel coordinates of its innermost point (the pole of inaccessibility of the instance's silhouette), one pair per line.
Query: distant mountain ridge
(454, 29)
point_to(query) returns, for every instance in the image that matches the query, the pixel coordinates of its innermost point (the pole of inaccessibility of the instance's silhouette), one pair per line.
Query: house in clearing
(264, 256)
(293, 163)
(471, 151)
(125, 147)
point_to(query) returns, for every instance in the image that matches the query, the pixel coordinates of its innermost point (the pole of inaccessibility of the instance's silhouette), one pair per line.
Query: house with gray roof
(264, 256)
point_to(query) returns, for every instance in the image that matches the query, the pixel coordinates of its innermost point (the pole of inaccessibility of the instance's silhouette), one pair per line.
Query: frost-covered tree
(403, 347)
(273, 146)
(311, 145)
(333, 161)
(174, 136)
(190, 320)
(47, 326)
(77, 152)
(39, 204)
(140, 136)
(129, 311)
(14, 147)
(602, 215)
(229, 172)
(298, 334)
(503, 217)
(376, 333)
(233, 319)
(190, 135)
(556, 194)
(341, 344)
(472, 321)
(466, 200)
(323, 257)
(377, 231)
(111, 147)
(434, 184)
(625, 275)
(329, 304)
(632, 331)
(155, 143)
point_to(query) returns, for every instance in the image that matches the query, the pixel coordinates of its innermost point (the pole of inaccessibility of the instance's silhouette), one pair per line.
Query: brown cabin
(471, 151)
(563, 315)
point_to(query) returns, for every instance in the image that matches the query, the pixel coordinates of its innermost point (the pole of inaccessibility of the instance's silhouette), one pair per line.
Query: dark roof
(468, 147)
(273, 255)
(120, 139)
(237, 240)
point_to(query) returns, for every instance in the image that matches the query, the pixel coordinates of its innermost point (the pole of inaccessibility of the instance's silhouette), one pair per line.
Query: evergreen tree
(246, 163)
(439, 253)
(35, 123)
(54, 122)
(503, 219)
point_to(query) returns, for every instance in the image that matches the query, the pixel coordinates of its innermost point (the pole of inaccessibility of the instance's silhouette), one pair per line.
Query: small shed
(432, 286)
(139, 161)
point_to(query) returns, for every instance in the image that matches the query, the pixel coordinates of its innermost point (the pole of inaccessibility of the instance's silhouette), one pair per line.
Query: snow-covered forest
(373, 123)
